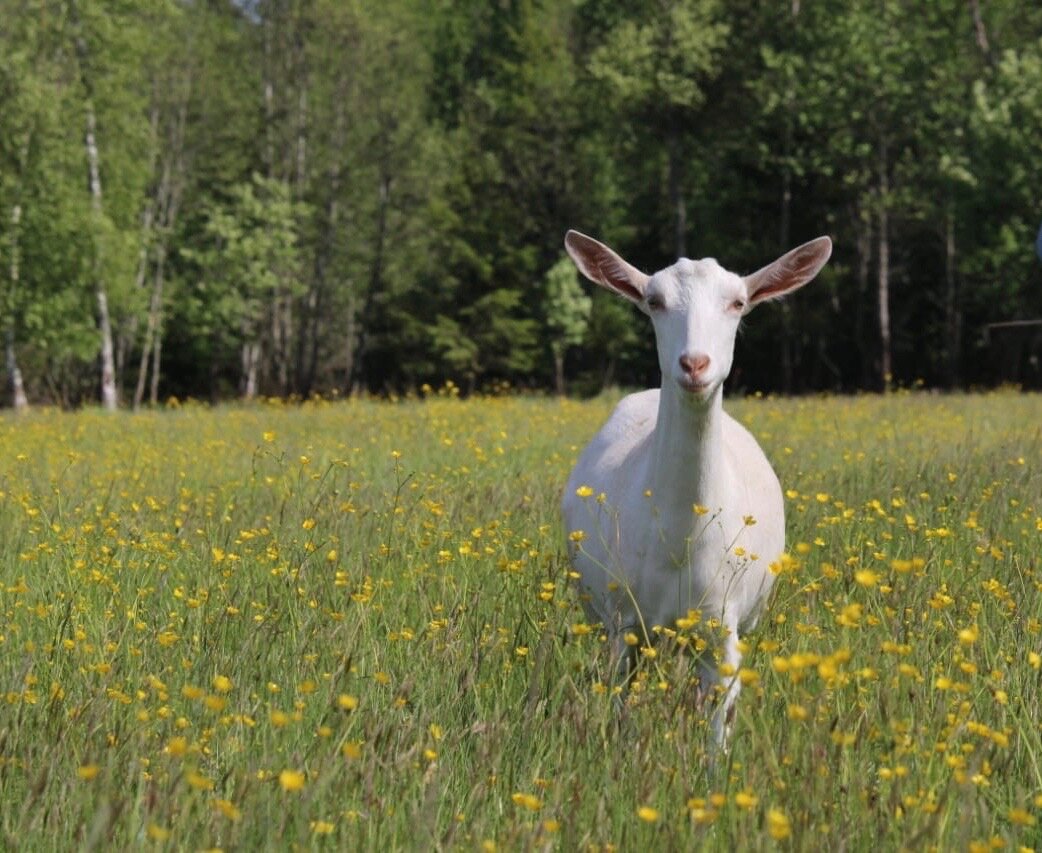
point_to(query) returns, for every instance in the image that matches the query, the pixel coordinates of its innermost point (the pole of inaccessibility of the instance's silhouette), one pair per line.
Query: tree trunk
(952, 315)
(608, 377)
(250, 362)
(157, 350)
(883, 270)
(290, 372)
(307, 337)
(308, 343)
(314, 301)
(14, 374)
(325, 252)
(281, 324)
(166, 206)
(302, 137)
(109, 397)
(158, 207)
(375, 279)
(126, 334)
(789, 113)
(148, 215)
(979, 30)
(307, 340)
(350, 341)
(677, 202)
(784, 238)
(155, 304)
(864, 255)
(251, 347)
(269, 97)
(558, 352)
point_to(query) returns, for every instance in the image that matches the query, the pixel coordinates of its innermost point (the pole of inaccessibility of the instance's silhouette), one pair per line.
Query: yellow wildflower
(527, 801)
(778, 824)
(291, 780)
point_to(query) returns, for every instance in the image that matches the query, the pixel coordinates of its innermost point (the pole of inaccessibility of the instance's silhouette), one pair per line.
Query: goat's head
(696, 306)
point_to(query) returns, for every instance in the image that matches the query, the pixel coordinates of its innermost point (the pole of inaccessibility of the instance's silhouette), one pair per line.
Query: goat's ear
(601, 265)
(791, 271)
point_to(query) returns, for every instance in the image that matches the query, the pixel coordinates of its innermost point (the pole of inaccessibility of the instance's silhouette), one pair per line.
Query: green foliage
(613, 333)
(657, 62)
(252, 257)
(488, 335)
(566, 305)
(434, 156)
(45, 248)
(1007, 122)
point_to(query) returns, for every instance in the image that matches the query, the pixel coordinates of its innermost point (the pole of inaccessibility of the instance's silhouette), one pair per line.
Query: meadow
(350, 625)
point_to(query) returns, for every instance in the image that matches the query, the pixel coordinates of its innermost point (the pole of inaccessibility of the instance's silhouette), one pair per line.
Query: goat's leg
(727, 687)
(623, 664)
(623, 657)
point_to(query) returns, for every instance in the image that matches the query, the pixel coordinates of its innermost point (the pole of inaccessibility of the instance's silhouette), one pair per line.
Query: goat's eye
(738, 305)
(656, 302)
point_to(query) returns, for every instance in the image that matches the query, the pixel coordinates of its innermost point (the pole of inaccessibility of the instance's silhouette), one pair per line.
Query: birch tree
(109, 393)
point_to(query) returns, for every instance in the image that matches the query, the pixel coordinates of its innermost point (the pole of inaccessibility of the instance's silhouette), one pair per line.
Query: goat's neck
(687, 455)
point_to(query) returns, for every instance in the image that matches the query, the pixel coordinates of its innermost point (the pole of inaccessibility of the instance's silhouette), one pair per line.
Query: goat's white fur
(645, 555)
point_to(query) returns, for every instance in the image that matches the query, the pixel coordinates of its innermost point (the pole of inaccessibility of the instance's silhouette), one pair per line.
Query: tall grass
(350, 625)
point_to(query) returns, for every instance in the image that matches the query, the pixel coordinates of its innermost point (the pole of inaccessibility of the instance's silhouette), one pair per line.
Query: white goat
(673, 506)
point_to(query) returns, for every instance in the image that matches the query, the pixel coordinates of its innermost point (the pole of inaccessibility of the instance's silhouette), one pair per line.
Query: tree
(94, 52)
(253, 255)
(45, 317)
(421, 164)
(567, 313)
(1005, 129)
(17, 129)
(173, 70)
(656, 65)
(510, 101)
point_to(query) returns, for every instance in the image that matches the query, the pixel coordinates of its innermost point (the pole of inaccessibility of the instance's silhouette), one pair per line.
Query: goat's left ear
(601, 265)
(791, 271)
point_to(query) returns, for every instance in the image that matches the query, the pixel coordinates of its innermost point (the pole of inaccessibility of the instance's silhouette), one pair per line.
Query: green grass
(349, 625)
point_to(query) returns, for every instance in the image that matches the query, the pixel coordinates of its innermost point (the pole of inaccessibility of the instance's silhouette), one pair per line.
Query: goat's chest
(695, 561)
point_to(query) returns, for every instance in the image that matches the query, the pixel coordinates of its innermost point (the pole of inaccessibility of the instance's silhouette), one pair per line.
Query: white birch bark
(109, 396)
(14, 373)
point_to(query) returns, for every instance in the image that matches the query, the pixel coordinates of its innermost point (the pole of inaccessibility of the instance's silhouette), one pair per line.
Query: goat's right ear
(601, 265)
(791, 271)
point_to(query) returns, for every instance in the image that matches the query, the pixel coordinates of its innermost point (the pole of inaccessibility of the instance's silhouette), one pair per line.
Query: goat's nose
(695, 364)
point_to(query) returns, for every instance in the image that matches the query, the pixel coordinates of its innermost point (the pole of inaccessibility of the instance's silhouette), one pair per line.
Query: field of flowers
(350, 625)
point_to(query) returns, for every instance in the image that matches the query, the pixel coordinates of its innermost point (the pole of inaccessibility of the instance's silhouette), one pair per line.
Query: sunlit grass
(351, 624)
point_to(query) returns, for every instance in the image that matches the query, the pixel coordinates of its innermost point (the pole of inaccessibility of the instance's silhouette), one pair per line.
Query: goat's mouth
(697, 387)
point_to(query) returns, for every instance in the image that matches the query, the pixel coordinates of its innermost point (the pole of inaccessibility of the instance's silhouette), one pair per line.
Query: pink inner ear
(615, 277)
(790, 271)
(600, 264)
(774, 282)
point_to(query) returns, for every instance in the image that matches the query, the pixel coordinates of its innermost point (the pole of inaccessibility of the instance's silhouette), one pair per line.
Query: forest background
(215, 199)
